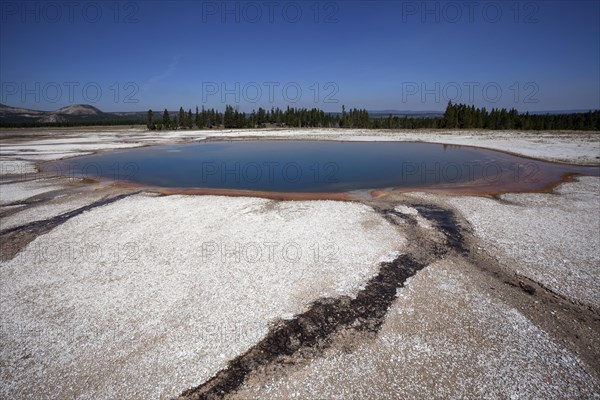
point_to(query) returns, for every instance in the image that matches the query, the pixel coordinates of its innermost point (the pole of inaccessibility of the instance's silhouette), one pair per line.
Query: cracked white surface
(552, 239)
(48, 210)
(16, 167)
(441, 339)
(149, 296)
(12, 192)
(118, 302)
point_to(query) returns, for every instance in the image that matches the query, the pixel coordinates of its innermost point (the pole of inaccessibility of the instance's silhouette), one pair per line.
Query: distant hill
(76, 113)
(21, 113)
(79, 109)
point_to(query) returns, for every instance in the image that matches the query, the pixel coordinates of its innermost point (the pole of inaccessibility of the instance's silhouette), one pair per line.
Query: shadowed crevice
(14, 239)
(314, 328)
(448, 224)
(50, 223)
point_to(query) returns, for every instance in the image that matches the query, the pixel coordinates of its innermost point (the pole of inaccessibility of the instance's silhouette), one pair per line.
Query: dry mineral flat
(112, 292)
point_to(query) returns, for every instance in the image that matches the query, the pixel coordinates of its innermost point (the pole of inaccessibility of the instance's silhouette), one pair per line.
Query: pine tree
(150, 121)
(181, 117)
(228, 117)
(450, 119)
(166, 119)
(343, 121)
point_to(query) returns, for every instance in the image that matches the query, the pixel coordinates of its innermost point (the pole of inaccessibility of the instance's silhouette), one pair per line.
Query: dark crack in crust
(313, 329)
(13, 240)
(344, 322)
(344, 319)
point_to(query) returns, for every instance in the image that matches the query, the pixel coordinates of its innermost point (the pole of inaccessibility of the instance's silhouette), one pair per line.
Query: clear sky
(380, 55)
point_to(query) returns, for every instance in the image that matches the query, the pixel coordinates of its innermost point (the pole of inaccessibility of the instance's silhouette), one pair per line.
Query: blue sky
(404, 55)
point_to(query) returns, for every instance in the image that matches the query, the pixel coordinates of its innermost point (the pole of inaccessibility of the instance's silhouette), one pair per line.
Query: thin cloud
(168, 72)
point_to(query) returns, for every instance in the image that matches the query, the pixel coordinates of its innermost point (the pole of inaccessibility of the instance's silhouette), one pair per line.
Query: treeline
(456, 116)
(234, 119)
(461, 116)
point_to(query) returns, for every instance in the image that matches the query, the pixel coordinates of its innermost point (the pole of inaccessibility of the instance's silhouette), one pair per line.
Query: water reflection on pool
(317, 166)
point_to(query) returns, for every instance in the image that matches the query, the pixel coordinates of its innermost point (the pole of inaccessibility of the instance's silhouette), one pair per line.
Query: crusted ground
(106, 293)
